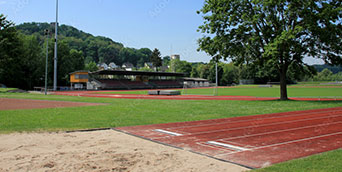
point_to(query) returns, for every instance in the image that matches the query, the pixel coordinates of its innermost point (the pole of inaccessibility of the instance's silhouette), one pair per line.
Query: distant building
(175, 56)
(79, 79)
(128, 66)
(196, 82)
(112, 65)
(102, 66)
(148, 65)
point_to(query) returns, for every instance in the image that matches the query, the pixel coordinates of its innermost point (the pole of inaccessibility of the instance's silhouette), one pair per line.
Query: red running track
(253, 141)
(178, 97)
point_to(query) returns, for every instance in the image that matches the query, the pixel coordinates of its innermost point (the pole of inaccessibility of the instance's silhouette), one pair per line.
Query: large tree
(155, 58)
(272, 32)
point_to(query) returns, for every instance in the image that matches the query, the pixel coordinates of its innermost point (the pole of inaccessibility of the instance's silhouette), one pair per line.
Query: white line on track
(289, 142)
(258, 119)
(168, 132)
(239, 128)
(279, 131)
(268, 124)
(238, 148)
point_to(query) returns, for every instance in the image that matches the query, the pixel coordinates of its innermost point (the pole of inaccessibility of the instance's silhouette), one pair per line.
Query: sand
(107, 150)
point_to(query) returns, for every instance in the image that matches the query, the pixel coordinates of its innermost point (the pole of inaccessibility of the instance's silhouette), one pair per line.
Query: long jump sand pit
(13, 104)
(106, 150)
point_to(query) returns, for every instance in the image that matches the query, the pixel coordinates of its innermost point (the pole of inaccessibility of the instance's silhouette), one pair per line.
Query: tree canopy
(155, 58)
(274, 33)
(95, 48)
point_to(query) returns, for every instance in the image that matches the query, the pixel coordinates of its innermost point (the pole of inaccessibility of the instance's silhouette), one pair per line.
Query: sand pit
(13, 104)
(107, 150)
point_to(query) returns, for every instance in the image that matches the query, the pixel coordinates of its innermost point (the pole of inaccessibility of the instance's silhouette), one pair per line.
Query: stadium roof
(123, 72)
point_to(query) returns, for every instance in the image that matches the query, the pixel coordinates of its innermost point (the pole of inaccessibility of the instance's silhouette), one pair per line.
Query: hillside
(94, 48)
(333, 69)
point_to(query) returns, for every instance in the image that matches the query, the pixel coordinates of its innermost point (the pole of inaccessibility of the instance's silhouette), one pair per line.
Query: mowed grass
(129, 112)
(256, 91)
(6, 89)
(324, 162)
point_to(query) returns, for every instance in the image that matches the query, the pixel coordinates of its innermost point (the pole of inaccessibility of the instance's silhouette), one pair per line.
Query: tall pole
(55, 57)
(46, 59)
(216, 80)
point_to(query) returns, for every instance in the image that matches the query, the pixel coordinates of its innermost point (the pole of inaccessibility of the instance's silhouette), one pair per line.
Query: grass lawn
(128, 112)
(6, 89)
(256, 91)
(324, 162)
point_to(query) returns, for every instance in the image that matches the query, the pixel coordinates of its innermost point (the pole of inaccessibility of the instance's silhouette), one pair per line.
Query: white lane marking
(279, 131)
(265, 133)
(288, 142)
(168, 132)
(264, 125)
(331, 112)
(238, 148)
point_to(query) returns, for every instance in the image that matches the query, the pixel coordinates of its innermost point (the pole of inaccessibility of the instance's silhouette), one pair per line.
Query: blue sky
(169, 25)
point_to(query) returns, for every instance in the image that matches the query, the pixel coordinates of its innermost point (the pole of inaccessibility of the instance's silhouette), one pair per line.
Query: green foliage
(20, 57)
(166, 60)
(91, 66)
(155, 58)
(22, 53)
(93, 48)
(334, 69)
(327, 75)
(272, 34)
(146, 69)
(181, 66)
(230, 74)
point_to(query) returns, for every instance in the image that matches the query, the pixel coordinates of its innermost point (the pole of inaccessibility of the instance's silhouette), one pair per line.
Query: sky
(169, 25)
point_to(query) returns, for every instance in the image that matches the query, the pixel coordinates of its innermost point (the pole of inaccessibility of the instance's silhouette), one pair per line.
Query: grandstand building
(125, 80)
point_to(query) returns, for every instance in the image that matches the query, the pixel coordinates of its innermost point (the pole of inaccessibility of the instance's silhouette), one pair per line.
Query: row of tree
(23, 52)
(22, 58)
(272, 34)
(96, 49)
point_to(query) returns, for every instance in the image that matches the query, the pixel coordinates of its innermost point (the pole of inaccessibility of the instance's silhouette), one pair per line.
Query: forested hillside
(93, 48)
(333, 69)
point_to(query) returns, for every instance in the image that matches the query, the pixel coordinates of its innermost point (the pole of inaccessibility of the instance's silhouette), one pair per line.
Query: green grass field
(256, 91)
(129, 112)
(6, 89)
(324, 162)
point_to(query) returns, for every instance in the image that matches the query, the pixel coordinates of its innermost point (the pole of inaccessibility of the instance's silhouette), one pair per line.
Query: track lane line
(290, 142)
(253, 128)
(257, 119)
(281, 131)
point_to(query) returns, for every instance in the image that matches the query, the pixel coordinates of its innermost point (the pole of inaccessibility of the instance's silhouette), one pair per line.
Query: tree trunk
(283, 84)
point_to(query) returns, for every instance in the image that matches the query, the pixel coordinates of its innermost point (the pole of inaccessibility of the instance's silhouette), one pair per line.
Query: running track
(253, 141)
(177, 97)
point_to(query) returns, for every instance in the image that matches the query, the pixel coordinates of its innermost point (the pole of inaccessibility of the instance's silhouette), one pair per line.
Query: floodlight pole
(55, 56)
(216, 79)
(216, 75)
(46, 59)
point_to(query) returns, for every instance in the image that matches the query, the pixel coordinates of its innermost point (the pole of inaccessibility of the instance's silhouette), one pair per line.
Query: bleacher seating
(128, 84)
(111, 84)
(135, 84)
(167, 84)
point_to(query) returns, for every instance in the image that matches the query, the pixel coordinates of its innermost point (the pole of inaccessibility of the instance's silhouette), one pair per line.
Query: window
(80, 76)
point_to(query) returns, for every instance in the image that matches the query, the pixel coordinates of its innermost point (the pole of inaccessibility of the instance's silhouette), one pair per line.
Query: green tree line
(23, 52)
(23, 48)
(96, 49)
